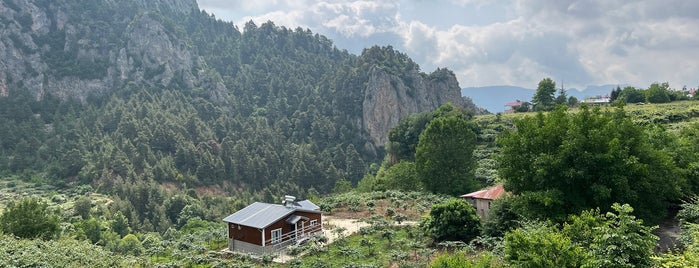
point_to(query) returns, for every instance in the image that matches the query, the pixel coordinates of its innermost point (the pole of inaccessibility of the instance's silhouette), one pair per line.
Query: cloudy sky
(506, 42)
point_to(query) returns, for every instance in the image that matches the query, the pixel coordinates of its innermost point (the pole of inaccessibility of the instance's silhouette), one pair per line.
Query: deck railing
(291, 237)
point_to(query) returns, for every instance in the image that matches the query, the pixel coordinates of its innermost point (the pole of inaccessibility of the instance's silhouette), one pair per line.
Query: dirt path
(330, 223)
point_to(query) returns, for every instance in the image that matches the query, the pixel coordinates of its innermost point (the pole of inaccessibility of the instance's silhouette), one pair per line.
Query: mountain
(494, 98)
(593, 90)
(111, 93)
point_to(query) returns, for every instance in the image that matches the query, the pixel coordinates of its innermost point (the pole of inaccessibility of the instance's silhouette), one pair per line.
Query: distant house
(482, 199)
(512, 106)
(597, 100)
(266, 228)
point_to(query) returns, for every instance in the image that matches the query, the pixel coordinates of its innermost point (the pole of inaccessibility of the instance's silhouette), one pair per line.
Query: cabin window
(314, 223)
(276, 236)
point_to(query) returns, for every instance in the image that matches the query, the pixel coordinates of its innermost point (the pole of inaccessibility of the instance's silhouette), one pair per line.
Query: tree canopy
(562, 163)
(444, 156)
(543, 99)
(30, 218)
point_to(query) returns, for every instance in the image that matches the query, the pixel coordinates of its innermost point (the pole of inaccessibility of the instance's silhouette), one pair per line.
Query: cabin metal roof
(489, 194)
(260, 215)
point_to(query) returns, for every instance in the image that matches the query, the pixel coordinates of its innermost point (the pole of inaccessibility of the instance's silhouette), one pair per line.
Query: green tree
(658, 93)
(543, 99)
(502, 217)
(30, 218)
(405, 136)
(525, 107)
(632, 95)
(444, 159)
(82, 207)
(614, 95)
(91, 229)
(572, 101)
(401, 176)
(342, 186)
(120, 224)
(130, 245)
(453, 220)
(562, 97)
(563, 163)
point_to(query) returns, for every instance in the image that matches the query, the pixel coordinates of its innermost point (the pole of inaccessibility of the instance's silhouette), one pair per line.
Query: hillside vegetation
(131, 128)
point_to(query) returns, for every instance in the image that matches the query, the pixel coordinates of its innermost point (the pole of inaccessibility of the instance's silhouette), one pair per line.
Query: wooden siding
(245, 233)
(482, 207)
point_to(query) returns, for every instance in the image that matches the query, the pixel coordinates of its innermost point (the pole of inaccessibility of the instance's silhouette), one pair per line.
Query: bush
(30, 218)
(453, 220)
(541, 245)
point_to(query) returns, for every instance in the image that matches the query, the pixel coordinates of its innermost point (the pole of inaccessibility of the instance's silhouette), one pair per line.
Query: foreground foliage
(616, 239)
(60, 253)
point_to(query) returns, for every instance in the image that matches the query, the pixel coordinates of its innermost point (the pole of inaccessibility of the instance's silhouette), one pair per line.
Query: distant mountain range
(494, 98)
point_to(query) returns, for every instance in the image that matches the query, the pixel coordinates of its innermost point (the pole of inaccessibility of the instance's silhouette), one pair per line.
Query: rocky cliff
(72, 49)
(77, 49)
(388, 98)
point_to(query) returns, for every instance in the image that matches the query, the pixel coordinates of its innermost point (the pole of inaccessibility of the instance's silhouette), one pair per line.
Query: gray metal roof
(307, 205)
(260, 215)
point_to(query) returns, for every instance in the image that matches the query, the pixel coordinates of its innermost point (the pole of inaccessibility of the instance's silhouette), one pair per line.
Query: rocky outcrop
(75, 49)
(388, 98)
(46, 48)
(177, 6)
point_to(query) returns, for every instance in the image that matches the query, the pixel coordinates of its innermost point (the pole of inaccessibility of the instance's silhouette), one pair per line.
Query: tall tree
(615, 94)
(658, 93)
(562, 163)
(632, 95)
(444, 158)
(562, 96)
(543, 99)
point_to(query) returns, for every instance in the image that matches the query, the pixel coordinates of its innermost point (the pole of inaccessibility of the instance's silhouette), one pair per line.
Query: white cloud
(581, 41)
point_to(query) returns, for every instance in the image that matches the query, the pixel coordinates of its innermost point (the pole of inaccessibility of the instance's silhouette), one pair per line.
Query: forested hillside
(131, 128)
(108, 93)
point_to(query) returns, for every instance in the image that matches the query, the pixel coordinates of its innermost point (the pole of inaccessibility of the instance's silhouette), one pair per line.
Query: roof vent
(289, 200)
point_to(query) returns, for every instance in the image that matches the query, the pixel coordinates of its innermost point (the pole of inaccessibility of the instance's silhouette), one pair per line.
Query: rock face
(42, 42)
(388, 99)
(75, 49)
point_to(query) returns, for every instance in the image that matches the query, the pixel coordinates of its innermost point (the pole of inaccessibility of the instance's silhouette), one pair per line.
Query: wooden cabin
(481, 199)
(262, 228)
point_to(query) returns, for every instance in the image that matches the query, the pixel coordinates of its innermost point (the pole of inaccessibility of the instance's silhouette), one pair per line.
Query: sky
(506, 42)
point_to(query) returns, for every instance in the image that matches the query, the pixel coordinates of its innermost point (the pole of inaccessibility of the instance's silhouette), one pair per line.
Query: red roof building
(512, 106)
(482, 199)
